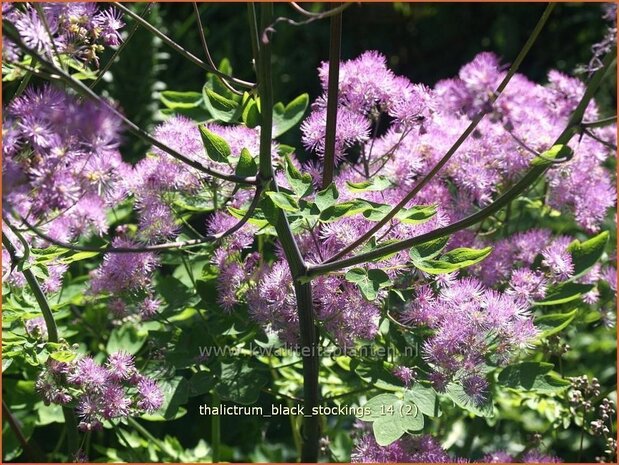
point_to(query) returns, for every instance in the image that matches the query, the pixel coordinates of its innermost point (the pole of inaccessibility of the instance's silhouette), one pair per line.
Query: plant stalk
(335, 46)
(310, 433)
(52, 336)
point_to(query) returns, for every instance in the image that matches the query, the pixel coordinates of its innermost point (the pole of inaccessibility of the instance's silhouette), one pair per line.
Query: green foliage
(216, 147)
(286, 117)
(368, 281)
(532, 376)
(449, 262)
(392, 417)
(586, 254)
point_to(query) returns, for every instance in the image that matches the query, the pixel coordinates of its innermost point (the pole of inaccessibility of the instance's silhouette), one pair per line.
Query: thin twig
(207, 53)
(600, 122)
(605, 143)
(335, 47)
(31, 453)
(157, 247)
(52, 336)
(195, 60)
(325, 14)
(119, 50)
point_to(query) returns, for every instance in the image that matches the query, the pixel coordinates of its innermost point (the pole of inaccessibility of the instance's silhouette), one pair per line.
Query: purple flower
(150, 395)
(88, 373)
(406, 374)
(36, 328)
(87, 408)
(476, 388)
(558, 260)
(78, 30)
(115, 402)
(408, 449)
(126, 272)
(120, 366)
(149, 307)
(32, 31)
(527, 286)
(535, 456)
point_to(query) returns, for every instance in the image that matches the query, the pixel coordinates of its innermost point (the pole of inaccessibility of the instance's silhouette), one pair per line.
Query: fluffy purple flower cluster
(468, 320)
(269, 292)
(61, 166)
(80, 31)
(537, 260)
(159, 178)
(426, 449)
(111, 391)
(366, 89)
(409, 449)
(424, 123)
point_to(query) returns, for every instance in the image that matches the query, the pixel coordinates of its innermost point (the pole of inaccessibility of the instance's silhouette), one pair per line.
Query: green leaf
(532, 376)
(456, 393)
(554, 323)
(301, 183)
(251, 114)
(375, 374)
(340, 210)
(428, 250)
(523, 374)
(64, 356)
(424, 398)
(392, 417)
(586, 254)
(377, 211)
(464, 257)
(375, 407)
(246, 165)
(126, 338)
(368, 281)
(241, 382)
(220, 107)
(175, 100)
(216, 82)
(326, 198)
(564, 292)
(175, 393)
(386, 431)
(201, 383)
(417, 214)
(284, 118)
(453, 260)
(377, 183)
(216, 147)
(76, 257)
(555, 152)
(284, 201)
